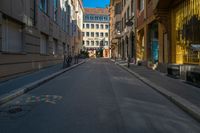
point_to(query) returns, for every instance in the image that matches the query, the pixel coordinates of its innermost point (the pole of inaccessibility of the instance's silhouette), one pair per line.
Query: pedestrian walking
(129, 60)
(64, 61)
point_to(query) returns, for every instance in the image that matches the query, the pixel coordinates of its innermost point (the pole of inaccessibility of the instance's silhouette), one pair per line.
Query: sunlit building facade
(35, 34)
(96, 32)
(148, 51)
(115, 28)
(180, 36)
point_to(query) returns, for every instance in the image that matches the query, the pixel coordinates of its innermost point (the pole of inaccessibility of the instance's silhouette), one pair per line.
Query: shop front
(140, 47)
(186, 26)
(153, 46)
(186, 39)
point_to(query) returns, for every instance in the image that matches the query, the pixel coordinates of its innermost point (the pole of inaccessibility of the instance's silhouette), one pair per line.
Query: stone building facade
(34, 34)
(96, 32)
(122, 34)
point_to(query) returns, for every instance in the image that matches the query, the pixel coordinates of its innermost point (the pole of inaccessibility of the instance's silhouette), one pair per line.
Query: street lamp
(130, 23)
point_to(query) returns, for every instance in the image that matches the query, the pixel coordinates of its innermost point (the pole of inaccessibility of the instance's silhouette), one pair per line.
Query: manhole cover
(15, 110)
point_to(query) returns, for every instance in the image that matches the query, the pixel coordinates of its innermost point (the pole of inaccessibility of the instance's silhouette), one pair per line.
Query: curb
(16, 93)
(185, 105)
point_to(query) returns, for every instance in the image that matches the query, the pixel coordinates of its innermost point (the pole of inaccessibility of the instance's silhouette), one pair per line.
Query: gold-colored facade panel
(187, 28)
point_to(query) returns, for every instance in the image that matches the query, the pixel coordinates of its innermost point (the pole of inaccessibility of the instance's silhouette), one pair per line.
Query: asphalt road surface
(96, 97)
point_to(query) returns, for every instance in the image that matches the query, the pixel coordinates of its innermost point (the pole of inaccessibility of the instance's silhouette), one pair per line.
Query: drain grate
(15, 110)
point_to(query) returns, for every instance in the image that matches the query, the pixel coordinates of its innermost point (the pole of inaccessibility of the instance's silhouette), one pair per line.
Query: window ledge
(14, 53)
(44, 54)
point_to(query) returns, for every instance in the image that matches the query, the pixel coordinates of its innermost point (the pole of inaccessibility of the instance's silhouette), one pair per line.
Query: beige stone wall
(30, 59)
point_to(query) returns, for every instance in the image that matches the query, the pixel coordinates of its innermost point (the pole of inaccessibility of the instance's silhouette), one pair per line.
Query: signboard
(195, 47)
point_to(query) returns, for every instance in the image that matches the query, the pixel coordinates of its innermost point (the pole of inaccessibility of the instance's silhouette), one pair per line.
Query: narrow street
(96, 97)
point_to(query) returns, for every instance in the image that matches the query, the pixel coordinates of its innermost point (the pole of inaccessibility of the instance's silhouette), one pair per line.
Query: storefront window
(187, 26)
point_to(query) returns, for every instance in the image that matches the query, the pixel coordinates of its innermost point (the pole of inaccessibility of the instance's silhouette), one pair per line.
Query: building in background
(96, 32)
(34, 34)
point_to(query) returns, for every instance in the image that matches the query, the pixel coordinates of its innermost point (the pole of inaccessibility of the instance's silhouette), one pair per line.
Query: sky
(96, 3)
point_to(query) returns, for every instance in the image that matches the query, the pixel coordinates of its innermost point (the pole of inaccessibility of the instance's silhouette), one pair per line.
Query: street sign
(195, 47)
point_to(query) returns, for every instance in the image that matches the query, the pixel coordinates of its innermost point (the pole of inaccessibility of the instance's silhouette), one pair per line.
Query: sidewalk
(176, 87)
(13, 84)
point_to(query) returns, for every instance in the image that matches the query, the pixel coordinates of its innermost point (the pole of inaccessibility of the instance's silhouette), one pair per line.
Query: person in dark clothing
(65, 61)
(76, 59)
(69, 59)
(129, 60)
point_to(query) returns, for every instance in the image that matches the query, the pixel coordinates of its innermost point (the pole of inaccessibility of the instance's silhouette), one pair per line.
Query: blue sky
(96, 3)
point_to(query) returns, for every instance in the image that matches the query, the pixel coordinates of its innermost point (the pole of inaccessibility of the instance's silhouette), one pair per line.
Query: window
(92, 43)
(106, 43)
(102, 26)
(88, 43)
(59, 49)
(101, 43)
(87, 26)
(101, 18)
(14, 31)
(141, 5)
(97, 43)
(128, 10)
(43, 5)
(97, 34)
(87, 34)
(55, 10)
(83, 33)
(92, 26)
(132, 8)
(118, 8)
(55, 47)
(118, 26)
(83, 42)
(86, 17)
(106, 34)
(83, 26)
(106, 18)
(91, 17)
(43, 44)
(33, 12)
(92, 34)
(107, 27)
(96, 18)
(97, 26)
(101, 34)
